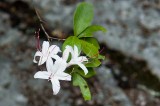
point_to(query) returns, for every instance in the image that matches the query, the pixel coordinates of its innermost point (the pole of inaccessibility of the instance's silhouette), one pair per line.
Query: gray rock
(4, 22)
(5, 71)
(10, 95)
(110, 93)
(56, 13)
(150, 19)
(12, 98)
(124, 21)
(10, 37)
(64, 95)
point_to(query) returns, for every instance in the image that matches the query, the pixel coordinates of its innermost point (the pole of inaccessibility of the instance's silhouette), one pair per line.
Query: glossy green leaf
(79, 81)
(89, 49)
(92, 41)
(72, 40)
(83, 17)
(101, 57)
(93, 63)
(88, 32)
(91, 72)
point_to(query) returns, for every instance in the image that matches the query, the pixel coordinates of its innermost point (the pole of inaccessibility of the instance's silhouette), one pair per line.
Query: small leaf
(89, 49)
(92, 41)
(101, 57)
(83, 17)
(72, 40)
(79, 81)
(91, 72)
(88, 32)
(93, 63)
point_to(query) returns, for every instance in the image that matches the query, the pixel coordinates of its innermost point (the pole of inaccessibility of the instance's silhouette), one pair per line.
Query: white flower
(54, 73)
(47, 53)
(75, 59)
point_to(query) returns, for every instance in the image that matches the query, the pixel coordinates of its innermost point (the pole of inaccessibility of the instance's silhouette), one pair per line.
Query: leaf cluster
(84, 40)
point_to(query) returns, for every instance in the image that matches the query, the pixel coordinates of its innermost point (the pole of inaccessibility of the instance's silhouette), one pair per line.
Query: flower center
(50, 77)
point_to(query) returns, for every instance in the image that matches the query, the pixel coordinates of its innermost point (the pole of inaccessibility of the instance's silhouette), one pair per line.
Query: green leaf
(91, 72)
(83, 17)
(92, 41)
(79, 81)
(88, 32)
(89, 49)
(93, 63)
(101, 57)
(72, 40)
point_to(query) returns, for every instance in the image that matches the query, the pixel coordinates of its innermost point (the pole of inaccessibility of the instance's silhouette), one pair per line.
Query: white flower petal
(61, 64)
(54, 49)
(58, 66)
(42, 75)
(75, 51)
(45, 47)
(49, 65)
(70, 49)
(38, 53)
(66, 54)
(55, 85)
(56, 57)
(82, 59)
(42, 60)
(83, 67)
(64, 76)
(77, 60)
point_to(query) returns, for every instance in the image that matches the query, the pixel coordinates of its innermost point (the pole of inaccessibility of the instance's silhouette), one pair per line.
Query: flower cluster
(55, 70)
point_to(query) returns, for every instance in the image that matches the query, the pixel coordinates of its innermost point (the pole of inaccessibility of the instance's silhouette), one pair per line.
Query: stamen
(37, 40)
(81, 60)
(98, 52)
(49, 52)
(101, 50)
(50, 77)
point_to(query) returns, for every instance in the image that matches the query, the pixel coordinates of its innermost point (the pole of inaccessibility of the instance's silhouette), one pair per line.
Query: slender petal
(38, 53)
(76, 59)
(56, 57)
(70, 49)
(82, 59)
(54, 49)
(42, 75)
(83, 67)
(45, 47)
(42, 60)
(55, 85)
(59, 66)
(66, 54)
(76, 51)
(52, 67)
(62, 65)
(49, 65)
(64, 76)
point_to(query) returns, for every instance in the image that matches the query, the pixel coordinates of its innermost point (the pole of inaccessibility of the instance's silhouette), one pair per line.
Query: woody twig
(42, 26)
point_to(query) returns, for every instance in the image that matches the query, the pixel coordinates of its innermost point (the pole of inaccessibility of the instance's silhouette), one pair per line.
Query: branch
(41, 21)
